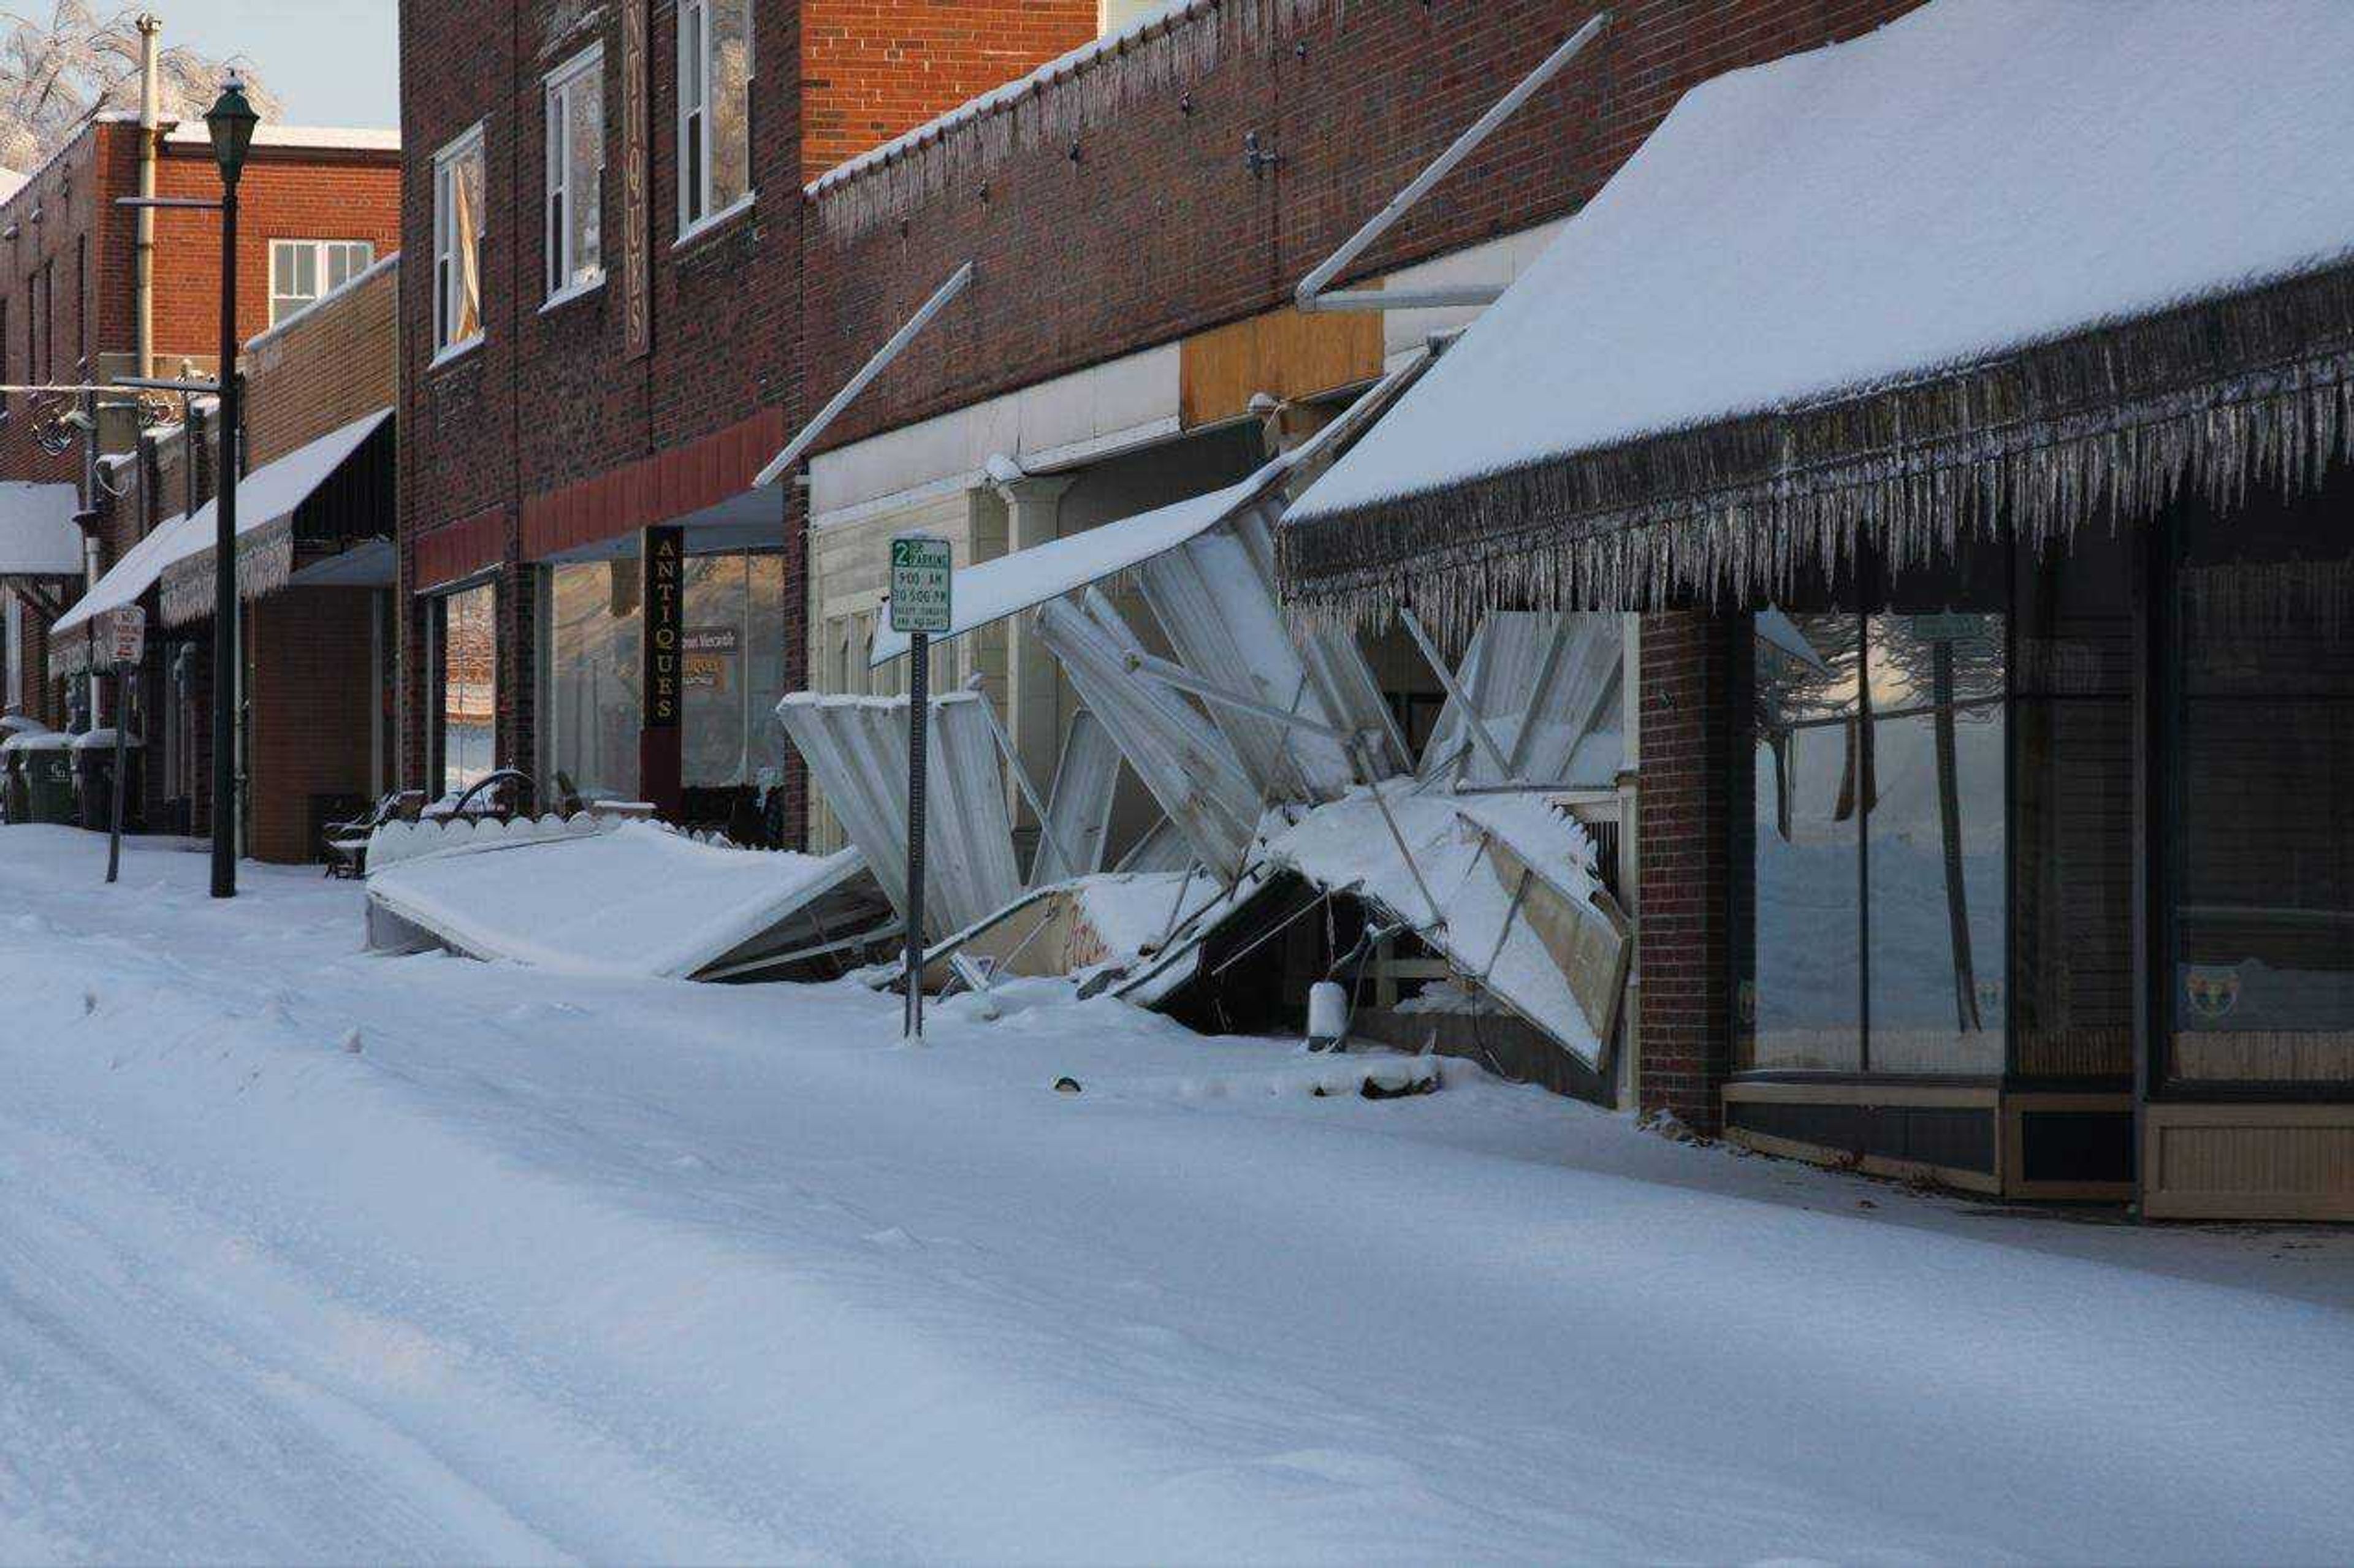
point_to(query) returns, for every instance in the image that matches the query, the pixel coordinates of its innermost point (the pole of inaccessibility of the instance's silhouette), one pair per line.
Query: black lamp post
(231, 120)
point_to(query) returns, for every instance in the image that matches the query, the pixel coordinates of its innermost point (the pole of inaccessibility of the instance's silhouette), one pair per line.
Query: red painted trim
(653, 489)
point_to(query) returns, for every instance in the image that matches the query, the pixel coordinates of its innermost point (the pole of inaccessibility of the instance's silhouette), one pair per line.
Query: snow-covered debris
(640, 900)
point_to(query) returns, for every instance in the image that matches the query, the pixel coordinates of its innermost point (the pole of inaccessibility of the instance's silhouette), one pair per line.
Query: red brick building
(318, 207)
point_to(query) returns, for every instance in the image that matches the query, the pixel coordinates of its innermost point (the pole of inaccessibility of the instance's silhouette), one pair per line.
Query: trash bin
(93, 771)
(15, 795)
(47, 762)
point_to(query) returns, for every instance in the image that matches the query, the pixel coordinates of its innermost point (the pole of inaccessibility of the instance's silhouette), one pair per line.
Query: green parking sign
(919, 583)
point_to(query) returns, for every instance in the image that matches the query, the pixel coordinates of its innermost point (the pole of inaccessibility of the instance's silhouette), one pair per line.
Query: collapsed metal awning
(1885, 291)
(584, 897)
(990, 591)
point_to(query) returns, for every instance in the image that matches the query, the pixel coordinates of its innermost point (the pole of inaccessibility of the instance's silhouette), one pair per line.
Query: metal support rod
(918, 714)
(1029, 790)
(200, 203)
(1438, 919)
(122, 678)
(224, 638)
(1185, 679)
(1280, 927)
(1310, 296)
(783, 463)
(1471, 717)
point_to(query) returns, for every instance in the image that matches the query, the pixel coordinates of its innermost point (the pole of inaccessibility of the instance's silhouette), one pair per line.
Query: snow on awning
(38, 536)
(267, 500)
(2016, 252)
(992, 590)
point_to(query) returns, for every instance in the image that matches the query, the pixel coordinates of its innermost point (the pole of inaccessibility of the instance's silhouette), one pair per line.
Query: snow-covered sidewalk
(309, 1254)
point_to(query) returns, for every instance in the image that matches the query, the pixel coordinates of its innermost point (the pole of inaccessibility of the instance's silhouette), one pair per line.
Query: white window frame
(562, 184)
(445, 278)
(694, 210)
(321, 251)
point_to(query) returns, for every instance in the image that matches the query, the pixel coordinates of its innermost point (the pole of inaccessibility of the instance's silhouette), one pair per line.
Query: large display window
(2260, 738)
(733, 651)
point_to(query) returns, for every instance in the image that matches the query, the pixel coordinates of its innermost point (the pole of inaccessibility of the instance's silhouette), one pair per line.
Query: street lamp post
(231, 120)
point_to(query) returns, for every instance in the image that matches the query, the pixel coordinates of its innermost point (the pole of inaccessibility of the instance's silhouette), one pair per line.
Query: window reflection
(1802, 1005)
(1933, 843)
(470, 649)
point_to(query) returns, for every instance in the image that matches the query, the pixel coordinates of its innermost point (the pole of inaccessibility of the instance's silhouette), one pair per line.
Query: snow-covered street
(307, 1255)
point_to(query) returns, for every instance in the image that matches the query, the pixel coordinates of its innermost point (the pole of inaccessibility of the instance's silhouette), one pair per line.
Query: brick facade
(1690, 674)
(871, 70)
(68, 275)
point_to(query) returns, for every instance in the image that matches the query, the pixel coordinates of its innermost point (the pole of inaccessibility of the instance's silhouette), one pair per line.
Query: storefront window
(470, 649)
(589, 716)
(735, 669)
(1871, 931)
(1802, 1002)
(2262, 752)
(2072, 928)
(1934, 838)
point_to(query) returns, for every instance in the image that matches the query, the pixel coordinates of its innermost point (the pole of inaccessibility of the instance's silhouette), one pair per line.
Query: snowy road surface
(311, 1255)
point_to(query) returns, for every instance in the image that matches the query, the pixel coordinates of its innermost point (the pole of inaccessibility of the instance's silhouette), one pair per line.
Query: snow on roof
(267, 495)
(1978, 175)
(325, 138)
(38, 536)
(11, 182)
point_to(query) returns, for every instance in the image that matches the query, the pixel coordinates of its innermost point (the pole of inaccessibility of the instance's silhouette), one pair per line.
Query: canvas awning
(992, 590)
(178, 553)
(2010, 261)
(39, 540)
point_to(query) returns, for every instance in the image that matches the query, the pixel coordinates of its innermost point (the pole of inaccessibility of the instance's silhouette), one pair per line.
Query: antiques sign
(637, 289)
(664, 559)
(710, 655)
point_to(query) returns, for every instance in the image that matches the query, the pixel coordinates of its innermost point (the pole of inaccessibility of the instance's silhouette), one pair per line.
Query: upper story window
(575, 175)
(303, 269)
(714, 109)
(458, 172)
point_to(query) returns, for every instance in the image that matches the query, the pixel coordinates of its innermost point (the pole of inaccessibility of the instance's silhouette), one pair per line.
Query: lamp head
(231, 120)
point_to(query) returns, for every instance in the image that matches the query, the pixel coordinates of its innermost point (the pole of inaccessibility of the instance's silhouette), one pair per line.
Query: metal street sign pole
(919, 648)
(126, 646)
(920, 585)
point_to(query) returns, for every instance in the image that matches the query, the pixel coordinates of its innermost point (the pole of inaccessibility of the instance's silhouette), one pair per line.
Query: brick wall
(1156, 229)
(546, 402)
(309, 733)
(871, 70)
(323, 368)
(1690, 675)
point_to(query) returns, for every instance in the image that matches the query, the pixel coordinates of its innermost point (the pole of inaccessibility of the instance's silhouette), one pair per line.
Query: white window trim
(319, 248)
(690, 225)
(719, 219)
(555, 110)
(471, 140)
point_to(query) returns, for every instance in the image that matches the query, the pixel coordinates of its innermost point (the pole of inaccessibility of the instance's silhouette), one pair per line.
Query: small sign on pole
(126, 648)
(921, 574)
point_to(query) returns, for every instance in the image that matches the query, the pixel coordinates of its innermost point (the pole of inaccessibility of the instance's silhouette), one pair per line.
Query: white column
(1033, 716)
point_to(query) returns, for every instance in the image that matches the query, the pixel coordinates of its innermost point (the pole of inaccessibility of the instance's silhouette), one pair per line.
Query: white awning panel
(1975, 177)
(267, 496)
(992, 590)
(38, 537)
